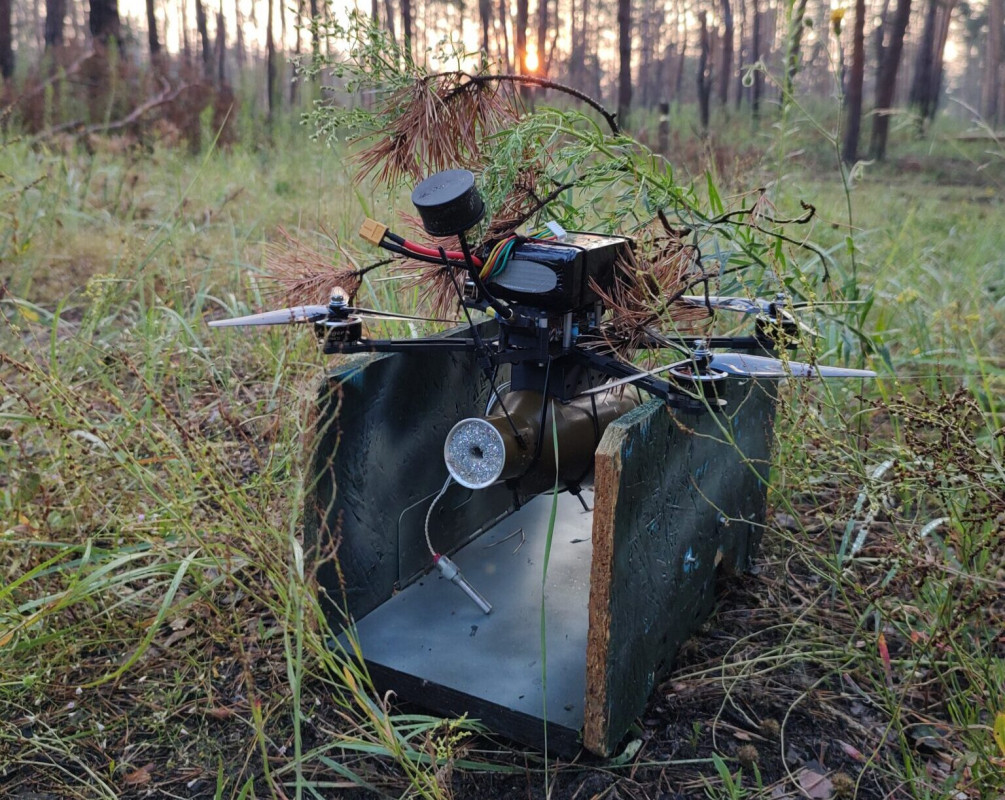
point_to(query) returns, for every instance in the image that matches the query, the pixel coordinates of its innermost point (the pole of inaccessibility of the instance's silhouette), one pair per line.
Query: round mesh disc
(474, 453)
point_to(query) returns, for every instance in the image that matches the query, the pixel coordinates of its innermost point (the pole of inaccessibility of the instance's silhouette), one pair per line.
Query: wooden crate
(677, 497)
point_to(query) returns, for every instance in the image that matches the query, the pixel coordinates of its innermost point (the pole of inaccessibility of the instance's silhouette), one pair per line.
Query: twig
(544, 83)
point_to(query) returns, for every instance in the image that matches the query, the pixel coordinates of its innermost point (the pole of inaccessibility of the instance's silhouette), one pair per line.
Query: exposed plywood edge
(607, 479)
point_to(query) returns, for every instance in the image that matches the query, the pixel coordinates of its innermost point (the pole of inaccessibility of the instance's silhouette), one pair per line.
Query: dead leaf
(815, 785)
(220, 712)
(139, 776)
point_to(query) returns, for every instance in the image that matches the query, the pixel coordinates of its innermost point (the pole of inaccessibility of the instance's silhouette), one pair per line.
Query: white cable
(429, 513)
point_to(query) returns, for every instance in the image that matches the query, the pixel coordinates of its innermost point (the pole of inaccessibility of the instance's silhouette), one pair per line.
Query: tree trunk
(704, 70)
(6, 41)
(577, 48)
(941, 37)
(406, 26)
(270, 63)
(153, 41)
(744, 49)
(201, 27)
(542, 36)
(681, 56)
(55, 14)
(185, 49)
(316, 45)
(993, 58)
(104, 21)
(239, 52)
(726, 71)
(520, 35)
(920, 95)
(625, 58)
(503, 20)
(886, 79)
(221, 47)
(485, 15)
(755, 55)
(853, 120)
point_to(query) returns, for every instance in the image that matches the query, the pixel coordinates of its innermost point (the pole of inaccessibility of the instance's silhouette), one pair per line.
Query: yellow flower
(837, 15)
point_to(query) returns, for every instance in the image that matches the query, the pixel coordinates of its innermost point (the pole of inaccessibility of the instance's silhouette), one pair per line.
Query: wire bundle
(500, 253)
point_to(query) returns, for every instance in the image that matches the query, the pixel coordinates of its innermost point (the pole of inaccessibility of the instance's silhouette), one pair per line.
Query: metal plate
(433, 632)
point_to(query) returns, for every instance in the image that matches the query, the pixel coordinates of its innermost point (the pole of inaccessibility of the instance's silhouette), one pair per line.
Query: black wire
(544, 416)
(480, 346)
(403, 251)
(502, 309)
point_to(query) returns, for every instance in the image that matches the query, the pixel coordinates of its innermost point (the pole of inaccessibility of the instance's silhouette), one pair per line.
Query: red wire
(453, 255)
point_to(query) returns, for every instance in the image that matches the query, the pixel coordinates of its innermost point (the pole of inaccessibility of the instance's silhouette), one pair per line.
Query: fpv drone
(566, 356)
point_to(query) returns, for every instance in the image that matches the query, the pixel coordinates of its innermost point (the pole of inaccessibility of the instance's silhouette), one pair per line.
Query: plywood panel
(377, 460)
(676, 495)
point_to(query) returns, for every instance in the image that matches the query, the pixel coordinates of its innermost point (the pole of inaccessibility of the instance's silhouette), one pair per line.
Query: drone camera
(448, 202)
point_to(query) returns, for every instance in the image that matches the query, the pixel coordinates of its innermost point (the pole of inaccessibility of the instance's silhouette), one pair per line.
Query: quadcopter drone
(547, 294)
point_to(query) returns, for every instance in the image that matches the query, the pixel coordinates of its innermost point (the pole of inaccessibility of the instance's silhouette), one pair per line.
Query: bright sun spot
(530, 61)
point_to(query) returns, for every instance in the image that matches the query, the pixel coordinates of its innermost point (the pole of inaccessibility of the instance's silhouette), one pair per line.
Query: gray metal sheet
(433, 631)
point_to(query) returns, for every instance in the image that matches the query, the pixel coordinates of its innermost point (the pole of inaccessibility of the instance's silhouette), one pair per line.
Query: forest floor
(159, 633)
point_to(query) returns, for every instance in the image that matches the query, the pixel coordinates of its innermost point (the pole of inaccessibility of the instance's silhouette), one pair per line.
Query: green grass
(158, 625)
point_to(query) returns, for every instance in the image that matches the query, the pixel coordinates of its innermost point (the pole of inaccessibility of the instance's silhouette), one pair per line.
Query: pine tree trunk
(316, 45)
(406, 26)
(740, 88)
(919, 97)
(704, 70)
(153, 41)
(625, 57)
(755, 55)
(103, 21)
(726, 72)
(542, 36)
(270, 65)
(993, 58)
(503, 20)
(886, 79)
(6, 41)
(853, 120)
(485, 15)
(221, 47)
(55, 14)
(522, 16)
(202, 28)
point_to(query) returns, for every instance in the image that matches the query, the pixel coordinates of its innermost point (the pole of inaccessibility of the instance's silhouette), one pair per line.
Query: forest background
(159, 627)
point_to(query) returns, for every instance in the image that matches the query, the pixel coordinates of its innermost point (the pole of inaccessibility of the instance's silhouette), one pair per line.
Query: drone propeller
(316, 313)
(743, 365)
(757, 305)
(709, 365)
(281, 316)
